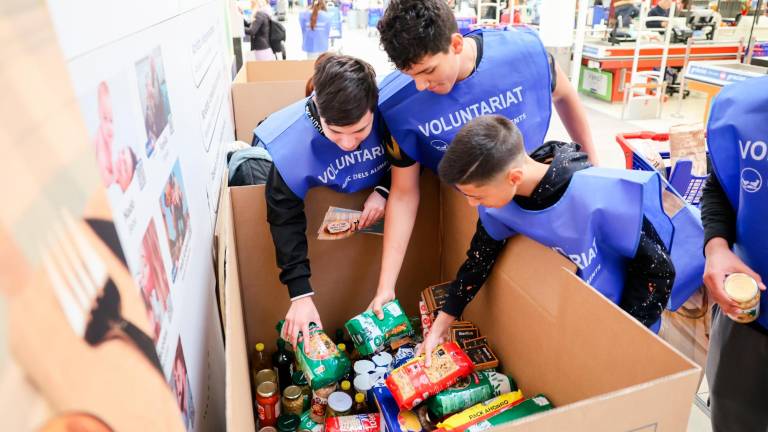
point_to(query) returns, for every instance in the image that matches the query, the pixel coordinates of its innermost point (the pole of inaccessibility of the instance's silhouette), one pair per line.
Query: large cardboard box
(263, 87)
(553, 333)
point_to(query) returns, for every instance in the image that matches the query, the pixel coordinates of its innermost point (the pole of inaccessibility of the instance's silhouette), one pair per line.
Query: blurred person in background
(315, 29)
(258, 31)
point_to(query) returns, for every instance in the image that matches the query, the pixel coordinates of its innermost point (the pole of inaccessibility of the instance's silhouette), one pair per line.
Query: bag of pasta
(413, 382)
(325, 364)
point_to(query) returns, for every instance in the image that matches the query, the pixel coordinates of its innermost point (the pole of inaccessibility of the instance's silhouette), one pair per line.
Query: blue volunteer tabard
(737, 137)
(597, 225)
(315, 41)
(513, 80)
(306, 159)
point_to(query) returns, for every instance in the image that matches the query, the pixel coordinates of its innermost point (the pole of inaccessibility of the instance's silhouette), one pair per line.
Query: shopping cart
(680, 177)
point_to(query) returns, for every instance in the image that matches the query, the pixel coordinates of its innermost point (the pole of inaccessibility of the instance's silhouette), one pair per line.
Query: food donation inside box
(528, 345)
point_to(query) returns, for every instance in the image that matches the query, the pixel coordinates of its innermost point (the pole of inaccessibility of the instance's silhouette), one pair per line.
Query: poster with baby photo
(153, 280)
(153, 93)
(175, 211)
(181, 388)
(110, 124)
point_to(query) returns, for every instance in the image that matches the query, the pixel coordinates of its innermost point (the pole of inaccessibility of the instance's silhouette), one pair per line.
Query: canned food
(266, 375)
(743, 289)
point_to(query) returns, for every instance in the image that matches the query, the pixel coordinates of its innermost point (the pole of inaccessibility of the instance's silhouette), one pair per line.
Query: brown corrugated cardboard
(553, 333)
(261, 88)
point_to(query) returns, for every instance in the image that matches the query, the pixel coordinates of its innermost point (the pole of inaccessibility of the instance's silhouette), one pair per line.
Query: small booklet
(340, 223)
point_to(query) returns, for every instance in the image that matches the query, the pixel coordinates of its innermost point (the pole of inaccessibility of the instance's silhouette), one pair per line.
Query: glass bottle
(360, 406)
(282, 360)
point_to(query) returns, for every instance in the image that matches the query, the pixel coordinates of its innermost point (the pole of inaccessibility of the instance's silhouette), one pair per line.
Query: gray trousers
(737, 374)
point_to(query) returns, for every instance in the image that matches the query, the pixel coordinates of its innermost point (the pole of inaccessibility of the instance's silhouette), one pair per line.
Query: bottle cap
(259, 347)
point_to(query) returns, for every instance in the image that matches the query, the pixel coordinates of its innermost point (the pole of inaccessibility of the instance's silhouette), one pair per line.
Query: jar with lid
(300, 381)
(268, 429)
(268, 403)
(339, 404)
(293, 402)
(265, 375)
(743, 289)
(288, 423)
(320, 403)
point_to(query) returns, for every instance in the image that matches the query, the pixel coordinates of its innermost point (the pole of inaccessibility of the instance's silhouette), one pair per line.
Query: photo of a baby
(153, 92)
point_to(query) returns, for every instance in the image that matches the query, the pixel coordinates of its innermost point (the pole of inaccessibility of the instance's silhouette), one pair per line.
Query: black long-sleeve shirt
(719, 219)
(717, 213)
(288, 224)
(650, 274)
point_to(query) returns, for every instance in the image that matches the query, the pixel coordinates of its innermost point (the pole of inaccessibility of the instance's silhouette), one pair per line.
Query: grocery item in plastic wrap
(325, 364)
(413, 382)
(526, 408)
(307, 423)
(482, 411)
(471, 390)
(392, 416)
(354, 423)
(371, 334)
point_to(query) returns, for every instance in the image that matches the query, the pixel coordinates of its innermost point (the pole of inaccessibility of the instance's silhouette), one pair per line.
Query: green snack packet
(372, 335)
(307, 423)
(526, 408)
(469, 391)
(325, 364)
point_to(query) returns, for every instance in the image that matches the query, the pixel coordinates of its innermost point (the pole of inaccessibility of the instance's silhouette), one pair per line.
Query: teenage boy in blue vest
(611, 223)
(446, 79)
(735, 216)
(334, 138)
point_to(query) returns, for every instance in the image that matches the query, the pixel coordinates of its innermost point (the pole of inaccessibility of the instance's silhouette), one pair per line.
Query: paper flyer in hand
(340, 223)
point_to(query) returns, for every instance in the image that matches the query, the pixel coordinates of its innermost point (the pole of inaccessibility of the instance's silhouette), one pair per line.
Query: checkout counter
(606, 67)
(711, 77)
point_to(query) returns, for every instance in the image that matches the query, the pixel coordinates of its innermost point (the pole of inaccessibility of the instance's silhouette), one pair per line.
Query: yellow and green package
(468, 391)
(482, 411)
(371, 334)
(325, 364)
(526, 408)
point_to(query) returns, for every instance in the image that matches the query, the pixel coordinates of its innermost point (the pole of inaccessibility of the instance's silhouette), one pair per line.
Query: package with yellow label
(482, 411)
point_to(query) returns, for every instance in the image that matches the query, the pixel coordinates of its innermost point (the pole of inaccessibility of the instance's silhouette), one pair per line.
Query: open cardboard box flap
(553, 333)
(262, 87)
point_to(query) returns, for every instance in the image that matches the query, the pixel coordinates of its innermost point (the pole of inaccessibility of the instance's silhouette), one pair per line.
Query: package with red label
(413, 382)
(354, 423)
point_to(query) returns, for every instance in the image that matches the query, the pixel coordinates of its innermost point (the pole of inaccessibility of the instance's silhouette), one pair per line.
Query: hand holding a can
(721, 262)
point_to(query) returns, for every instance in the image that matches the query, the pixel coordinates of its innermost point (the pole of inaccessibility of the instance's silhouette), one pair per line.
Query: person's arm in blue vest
(402, 206)
(649, 278)
(719, 220)
(572, 114)
(482, 254)
(288, 225)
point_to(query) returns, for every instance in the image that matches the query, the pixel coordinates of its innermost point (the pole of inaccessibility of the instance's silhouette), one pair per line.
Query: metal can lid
(740, 287)
(364, 366)
(268, 429)
(267, 389)
(362, 383)
(288, 422)
(340, 402)
(292, 392)
(266, 375)
(382, 359)
(299, 379)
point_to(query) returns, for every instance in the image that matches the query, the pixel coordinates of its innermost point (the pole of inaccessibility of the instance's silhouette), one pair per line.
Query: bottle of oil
(259, 361)
(282, 361)
(360, 406)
